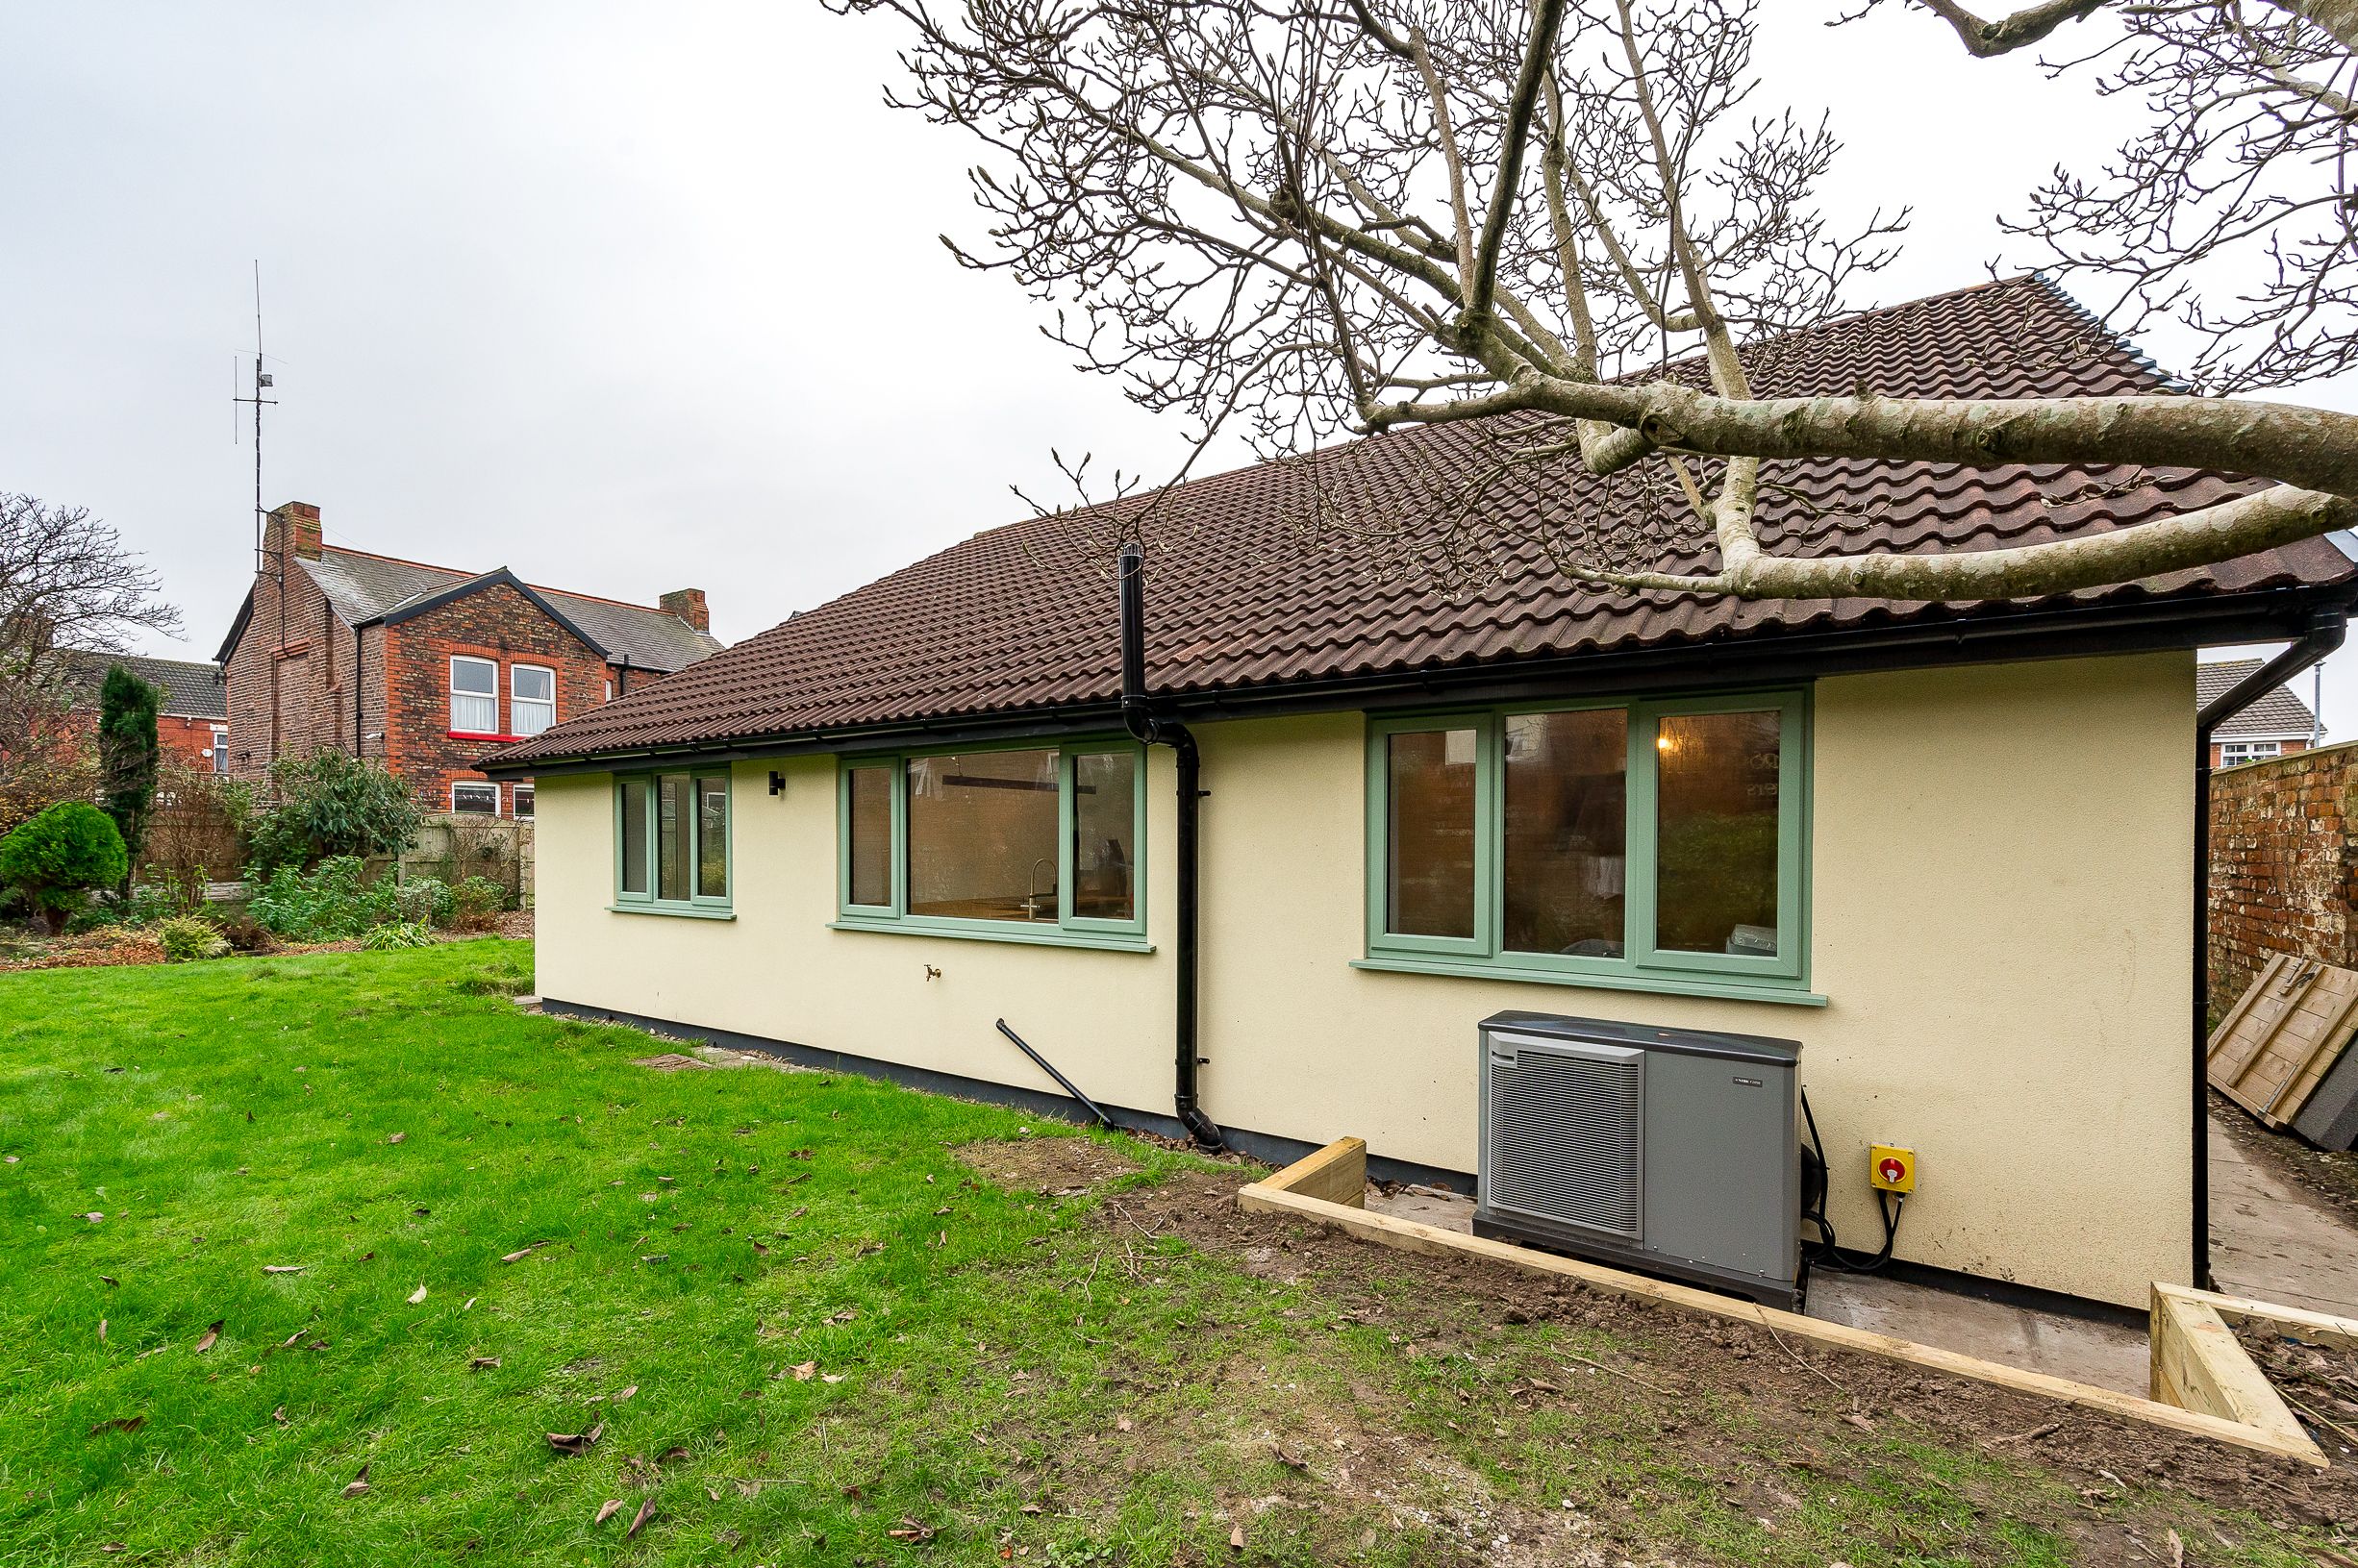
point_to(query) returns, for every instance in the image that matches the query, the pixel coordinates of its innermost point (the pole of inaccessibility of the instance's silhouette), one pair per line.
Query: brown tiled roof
(1247, 588)
(2272, 715)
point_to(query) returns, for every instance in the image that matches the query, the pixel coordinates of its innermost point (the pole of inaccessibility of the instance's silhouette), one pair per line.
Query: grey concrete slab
(2272, 1241)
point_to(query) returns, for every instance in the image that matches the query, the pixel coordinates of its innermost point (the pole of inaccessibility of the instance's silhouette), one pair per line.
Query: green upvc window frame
(1071, 929)
(697, 904)
(1643, 965)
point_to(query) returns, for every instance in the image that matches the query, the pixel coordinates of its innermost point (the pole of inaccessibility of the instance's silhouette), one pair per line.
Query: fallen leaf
(102, 1330)
(367, 1258)
(112, 1547)
(575, 1442)
(470, 1303)
(121, 1423)
(357, 1484)
(607, 1510)
(109, 1279)
(806, 1372)
(483, 1363)
(418, 1295)
(1286, 1459)
(522, 1252)
(832, 1376)
(283, 1268)
(211, 1334)
(279, 1415)
(759, 1248)
(639, 1520)
(908, 1529)
(618, 1398)
(655, 1258)
(844, 1316)
(94, 1216)
(1031, 1507)
(1236, 1537)
(421, 1208)
(396, 1138)
(674, 1451)
(1121, 1423)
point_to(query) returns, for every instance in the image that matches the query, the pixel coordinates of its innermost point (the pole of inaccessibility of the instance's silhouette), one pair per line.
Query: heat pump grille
(1564, 1136)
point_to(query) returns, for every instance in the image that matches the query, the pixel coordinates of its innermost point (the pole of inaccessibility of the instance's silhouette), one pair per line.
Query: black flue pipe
(1153, 729)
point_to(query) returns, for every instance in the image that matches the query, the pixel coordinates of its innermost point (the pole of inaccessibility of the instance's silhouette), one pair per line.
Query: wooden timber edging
(2204, 1359)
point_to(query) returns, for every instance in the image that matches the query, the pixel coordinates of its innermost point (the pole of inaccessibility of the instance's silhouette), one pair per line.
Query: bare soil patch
(671, 1061)
(1058, 1167)
(2319, 1381)
(1700, 1384)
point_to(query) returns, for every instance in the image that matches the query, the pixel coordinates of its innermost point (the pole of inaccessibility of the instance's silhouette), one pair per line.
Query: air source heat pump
(1665, 1150)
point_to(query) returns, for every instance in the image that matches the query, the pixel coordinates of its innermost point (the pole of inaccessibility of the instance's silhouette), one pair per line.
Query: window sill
(1103, 942)
(1733, 991)
(481, 734)
(674, 910)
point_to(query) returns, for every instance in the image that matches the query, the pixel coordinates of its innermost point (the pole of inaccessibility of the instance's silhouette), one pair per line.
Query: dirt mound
(1821, 1401)
(1057, 1166)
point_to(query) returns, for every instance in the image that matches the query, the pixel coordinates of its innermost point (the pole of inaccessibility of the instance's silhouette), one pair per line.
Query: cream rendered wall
(2001, 872)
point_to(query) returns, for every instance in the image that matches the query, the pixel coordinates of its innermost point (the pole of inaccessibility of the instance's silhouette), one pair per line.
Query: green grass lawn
(804, 1330)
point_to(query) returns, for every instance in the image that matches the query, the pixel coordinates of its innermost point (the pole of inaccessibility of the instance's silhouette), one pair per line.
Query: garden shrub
(397, 933)
(332, 904)
(476, 903)
(185, 938)
(426, 899)
(327, 806)
(59, 855)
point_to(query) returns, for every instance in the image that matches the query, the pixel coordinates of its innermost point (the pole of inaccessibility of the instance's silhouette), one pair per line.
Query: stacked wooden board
(2281, 1042)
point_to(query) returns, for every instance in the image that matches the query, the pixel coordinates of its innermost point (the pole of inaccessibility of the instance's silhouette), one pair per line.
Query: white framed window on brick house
(523, 801)
(532, 698)
(474, 696)
(220, 748)
(2232, 752)
(474, 797)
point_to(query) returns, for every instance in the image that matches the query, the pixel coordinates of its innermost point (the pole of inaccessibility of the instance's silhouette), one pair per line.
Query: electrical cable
(1826, 1252)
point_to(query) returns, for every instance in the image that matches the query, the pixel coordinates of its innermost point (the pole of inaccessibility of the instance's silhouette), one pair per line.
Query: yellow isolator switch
(1893, 1170)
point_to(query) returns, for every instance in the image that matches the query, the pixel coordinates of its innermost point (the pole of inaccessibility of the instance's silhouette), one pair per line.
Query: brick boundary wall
(2284, 866)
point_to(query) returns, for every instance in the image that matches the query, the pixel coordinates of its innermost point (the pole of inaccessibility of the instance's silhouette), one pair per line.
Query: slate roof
(1252, 583)
(2275, 715)
(364, 586)
(192, 689)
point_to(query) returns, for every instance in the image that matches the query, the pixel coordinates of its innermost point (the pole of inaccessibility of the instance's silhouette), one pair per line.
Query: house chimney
(687, 604)
(294, 526)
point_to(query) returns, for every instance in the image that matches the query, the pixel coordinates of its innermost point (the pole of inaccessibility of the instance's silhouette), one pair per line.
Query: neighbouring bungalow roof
(1251, 585)
(2276, 715)
(364, 587)
(192, 689)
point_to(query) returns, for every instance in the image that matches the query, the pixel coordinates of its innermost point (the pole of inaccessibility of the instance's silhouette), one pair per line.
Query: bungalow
(1348, 806)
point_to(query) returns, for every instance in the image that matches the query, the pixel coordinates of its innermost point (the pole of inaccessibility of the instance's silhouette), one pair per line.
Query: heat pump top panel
(1645, 1037)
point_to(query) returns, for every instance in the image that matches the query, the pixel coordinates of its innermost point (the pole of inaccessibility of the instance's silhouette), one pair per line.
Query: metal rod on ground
(1048, 1067)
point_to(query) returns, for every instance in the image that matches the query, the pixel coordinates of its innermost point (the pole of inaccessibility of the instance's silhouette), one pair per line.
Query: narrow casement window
(1565, 862)
(671, 843)
(474, 696)
(1105, 835)
(1027, 843)
(1657, 844)
(1429, 880)
(982, 836)
(523, 801)
(712, 837)
(868, 804)
(532, 698)
(632, 836)
(1716, 834)
(671, 829)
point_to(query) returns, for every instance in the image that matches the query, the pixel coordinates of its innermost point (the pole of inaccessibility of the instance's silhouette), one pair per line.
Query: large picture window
(1655, 845)
(671, 843)
(1022, 843)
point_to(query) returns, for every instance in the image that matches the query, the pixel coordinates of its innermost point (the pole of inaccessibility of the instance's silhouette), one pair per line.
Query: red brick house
(193, 724)
(426, 668)
(2277, 725)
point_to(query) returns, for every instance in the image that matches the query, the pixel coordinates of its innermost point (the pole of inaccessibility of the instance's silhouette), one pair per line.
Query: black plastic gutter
(1754, 659)
(2327, 626)
(1157, 729)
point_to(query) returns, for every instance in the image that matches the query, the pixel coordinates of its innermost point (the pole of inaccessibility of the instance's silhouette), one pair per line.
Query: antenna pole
(261, 384)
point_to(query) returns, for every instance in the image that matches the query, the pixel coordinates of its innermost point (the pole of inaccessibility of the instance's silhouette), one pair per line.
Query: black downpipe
(1160, 729)
(2326, 628)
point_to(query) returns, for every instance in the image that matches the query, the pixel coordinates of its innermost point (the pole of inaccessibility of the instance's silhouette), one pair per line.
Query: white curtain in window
(474, 696)
(532, 699)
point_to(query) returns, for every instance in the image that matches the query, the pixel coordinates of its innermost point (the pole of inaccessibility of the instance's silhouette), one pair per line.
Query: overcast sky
(634, 297)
